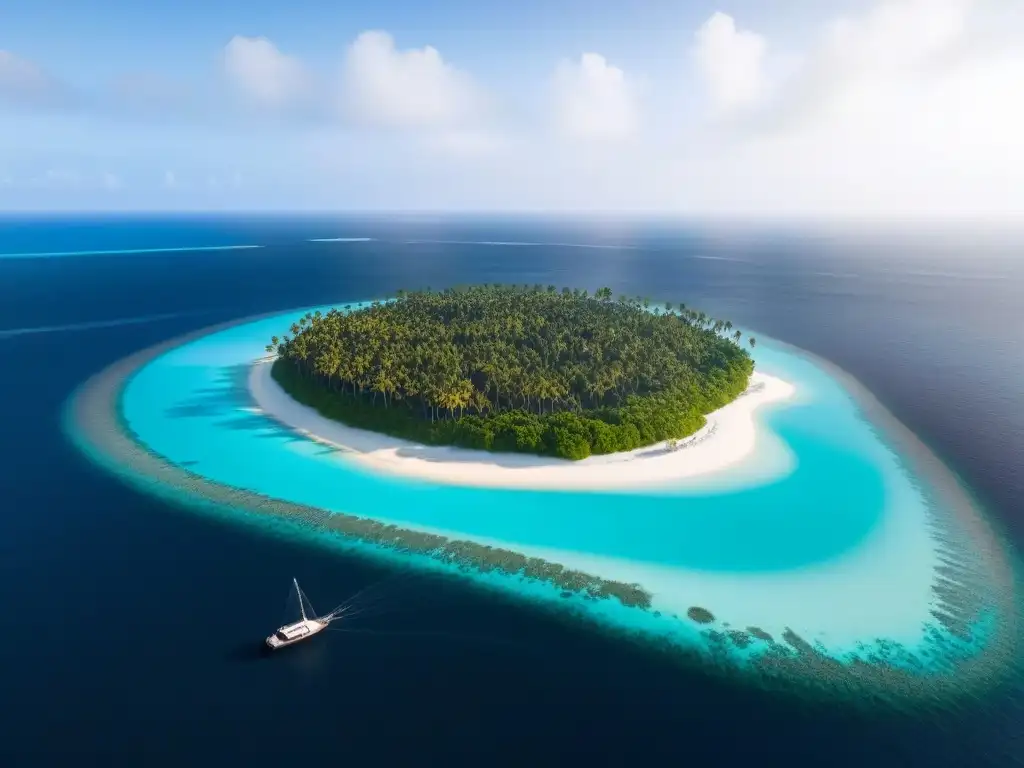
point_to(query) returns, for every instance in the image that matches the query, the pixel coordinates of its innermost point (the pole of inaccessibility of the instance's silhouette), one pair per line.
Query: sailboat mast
(298, 592)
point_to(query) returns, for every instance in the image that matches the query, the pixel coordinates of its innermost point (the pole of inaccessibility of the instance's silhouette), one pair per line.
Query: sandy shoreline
(728, 438)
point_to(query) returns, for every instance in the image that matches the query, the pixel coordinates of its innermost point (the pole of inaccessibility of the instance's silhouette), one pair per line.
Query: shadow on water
(447, 455)
(248, 652)
(231, 391)
(230, 395)
(510, 460)
(310, 656)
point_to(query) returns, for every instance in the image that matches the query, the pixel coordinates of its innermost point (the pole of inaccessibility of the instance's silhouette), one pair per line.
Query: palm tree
(493, 349)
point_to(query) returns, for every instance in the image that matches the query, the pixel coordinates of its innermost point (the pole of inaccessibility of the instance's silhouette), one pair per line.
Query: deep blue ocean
(130, 627)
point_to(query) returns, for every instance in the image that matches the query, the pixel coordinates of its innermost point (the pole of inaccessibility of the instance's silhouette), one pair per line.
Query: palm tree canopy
(486, 353)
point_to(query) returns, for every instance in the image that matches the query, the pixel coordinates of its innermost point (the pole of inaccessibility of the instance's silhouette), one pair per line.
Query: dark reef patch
(700, 615)
(760, 634)
(739, 639)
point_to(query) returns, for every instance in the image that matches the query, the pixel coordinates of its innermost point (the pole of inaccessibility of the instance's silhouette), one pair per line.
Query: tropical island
(515, 369)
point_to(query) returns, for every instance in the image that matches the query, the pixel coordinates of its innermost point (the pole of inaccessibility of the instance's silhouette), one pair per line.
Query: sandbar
(728, 438)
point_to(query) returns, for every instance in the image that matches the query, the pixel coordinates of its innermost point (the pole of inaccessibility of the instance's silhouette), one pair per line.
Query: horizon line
(523, 213)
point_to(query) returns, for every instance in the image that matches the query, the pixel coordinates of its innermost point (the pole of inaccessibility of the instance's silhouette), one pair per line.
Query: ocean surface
(131, 626)
(751, 544)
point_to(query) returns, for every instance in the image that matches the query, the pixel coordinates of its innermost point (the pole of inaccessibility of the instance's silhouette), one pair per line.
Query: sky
(794, 108)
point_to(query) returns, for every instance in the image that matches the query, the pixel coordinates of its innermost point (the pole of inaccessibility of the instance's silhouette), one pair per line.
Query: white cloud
(23, 82)
(894, 43)
(731, 62)
(413, 88)
(894, 33)
(262, 73)
(906, 109)
(594, 100)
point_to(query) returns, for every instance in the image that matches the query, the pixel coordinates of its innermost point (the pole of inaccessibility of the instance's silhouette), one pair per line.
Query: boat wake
(391, 597)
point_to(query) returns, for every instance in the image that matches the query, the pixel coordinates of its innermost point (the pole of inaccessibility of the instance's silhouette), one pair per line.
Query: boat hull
(294, 633)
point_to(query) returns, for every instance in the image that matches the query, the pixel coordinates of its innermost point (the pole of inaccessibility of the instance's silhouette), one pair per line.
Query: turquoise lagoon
(824, 533)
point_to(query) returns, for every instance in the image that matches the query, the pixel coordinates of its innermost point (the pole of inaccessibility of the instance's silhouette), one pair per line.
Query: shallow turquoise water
(836, 546)
(187, 406)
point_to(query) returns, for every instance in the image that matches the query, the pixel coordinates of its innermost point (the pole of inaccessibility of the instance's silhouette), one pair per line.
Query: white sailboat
(303, 629)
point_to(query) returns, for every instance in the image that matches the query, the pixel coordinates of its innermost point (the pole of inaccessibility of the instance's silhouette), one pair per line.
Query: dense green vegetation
(515, 369)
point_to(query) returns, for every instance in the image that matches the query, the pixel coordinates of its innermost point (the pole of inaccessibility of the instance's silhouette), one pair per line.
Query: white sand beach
(729, 437)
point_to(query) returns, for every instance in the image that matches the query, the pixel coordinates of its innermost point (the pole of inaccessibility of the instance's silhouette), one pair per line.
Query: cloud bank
(900, 110)
(904, 108)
